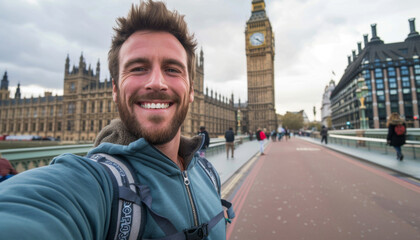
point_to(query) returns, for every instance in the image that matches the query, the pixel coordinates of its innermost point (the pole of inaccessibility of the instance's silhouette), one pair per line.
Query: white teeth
(155, 105)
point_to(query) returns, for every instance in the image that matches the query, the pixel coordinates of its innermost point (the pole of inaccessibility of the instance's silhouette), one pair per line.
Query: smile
(155, 105)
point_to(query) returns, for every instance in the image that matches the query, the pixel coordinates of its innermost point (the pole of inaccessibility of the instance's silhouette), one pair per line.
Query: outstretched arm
(70, 199)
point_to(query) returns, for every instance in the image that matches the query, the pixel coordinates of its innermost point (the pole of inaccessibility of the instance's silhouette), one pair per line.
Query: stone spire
(18, 94)
(67, 65)
(201, 58)
(4, 82)
(98, 69)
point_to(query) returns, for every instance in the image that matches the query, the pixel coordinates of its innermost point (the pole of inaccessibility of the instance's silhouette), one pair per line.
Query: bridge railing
(23, 159)
(411, 148)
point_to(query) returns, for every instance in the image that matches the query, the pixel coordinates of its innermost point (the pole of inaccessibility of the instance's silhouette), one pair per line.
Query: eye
(172, 70)
(138, 69)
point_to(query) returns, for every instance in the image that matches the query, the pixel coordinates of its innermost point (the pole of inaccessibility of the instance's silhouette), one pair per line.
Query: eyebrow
(171, 61)
(134, 61)
(168, 61)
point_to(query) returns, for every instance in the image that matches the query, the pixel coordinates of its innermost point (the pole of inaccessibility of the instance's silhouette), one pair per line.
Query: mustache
(153, 96)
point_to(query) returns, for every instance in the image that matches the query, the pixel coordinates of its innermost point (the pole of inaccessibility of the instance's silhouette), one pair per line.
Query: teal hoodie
(71, 198)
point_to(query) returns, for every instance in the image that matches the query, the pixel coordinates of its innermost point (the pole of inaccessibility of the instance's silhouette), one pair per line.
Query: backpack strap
(127, 214)
(212, 174)
(130, 200)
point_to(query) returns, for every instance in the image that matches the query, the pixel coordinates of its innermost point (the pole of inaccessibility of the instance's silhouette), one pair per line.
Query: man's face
(153, 91)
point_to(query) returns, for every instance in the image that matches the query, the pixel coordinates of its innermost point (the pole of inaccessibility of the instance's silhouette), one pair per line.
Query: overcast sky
(313, 39)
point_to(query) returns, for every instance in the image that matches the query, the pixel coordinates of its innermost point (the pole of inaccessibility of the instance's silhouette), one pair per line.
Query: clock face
(256, 39)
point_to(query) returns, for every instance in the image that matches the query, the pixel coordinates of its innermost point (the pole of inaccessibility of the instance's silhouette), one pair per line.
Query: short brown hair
(154, 16)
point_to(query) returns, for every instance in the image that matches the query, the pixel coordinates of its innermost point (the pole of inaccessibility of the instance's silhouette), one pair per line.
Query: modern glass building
(391, 73)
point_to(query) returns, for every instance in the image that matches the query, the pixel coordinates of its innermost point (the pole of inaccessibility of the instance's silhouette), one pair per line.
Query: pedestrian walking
(151, 63)
(324, 134)
(203, 132)
(6, 169)
(260, 137)
(286, 133)
(230, 142)
(396, 133)
(273, 135)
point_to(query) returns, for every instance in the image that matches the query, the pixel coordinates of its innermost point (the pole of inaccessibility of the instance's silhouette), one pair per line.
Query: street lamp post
(239, 122)
(361, 93)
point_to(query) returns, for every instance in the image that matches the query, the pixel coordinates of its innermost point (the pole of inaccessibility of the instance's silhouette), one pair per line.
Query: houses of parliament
(86, 105)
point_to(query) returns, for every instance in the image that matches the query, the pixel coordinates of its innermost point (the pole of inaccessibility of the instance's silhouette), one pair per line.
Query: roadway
(300, 190)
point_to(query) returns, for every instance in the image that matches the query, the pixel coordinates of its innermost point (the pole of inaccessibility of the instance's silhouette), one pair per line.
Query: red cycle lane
(299, 190)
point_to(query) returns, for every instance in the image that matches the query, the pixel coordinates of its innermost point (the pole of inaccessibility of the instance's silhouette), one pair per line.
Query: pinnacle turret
(4, 82)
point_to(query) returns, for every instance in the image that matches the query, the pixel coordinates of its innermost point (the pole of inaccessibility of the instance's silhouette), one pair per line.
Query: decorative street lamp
(239, 122)
(361, 93)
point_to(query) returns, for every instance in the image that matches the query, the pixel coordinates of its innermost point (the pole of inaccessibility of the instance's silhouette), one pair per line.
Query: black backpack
(131, 198)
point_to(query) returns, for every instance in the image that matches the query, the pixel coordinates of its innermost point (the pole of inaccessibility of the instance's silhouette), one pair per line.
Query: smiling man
(151, 62)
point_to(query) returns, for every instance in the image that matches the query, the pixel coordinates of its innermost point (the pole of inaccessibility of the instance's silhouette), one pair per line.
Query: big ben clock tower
(259, 44)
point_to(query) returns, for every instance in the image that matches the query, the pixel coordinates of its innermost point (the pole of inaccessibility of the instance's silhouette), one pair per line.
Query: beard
(158, 136)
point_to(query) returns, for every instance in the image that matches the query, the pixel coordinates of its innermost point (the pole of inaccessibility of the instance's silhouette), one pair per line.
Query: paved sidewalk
(245, 151)
(226, 167)
(409, 166)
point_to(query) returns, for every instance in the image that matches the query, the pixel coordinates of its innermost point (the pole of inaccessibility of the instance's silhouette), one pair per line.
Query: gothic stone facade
(87, 106)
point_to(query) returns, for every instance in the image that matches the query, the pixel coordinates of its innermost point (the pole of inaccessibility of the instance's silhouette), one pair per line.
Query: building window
(71, 107)
(83, 125)
(51, 111)
(58, 126)
(33, 127)
(378, 73)
(50, 126)
(100, 124)
(405, 81)
(392, 82)
(93, 107)
(109, 106)
(417, 69)
(84, 107)
(101, 105)
(69, 125)
(41, 127)
(404, 70)
(391, 72)
(72, 87)
(380, 95)
(379, 83)
(35, 112)
(91, 125)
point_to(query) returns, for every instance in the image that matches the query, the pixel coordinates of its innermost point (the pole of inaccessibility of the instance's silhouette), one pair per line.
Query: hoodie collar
(117, 133)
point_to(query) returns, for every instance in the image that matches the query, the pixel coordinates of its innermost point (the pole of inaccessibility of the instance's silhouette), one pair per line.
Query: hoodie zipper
(187, 186)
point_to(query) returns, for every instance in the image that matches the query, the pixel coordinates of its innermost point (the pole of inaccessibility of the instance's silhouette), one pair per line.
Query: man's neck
(171, 148)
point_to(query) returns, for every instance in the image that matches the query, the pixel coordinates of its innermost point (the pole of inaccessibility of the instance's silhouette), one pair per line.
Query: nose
(156, 81)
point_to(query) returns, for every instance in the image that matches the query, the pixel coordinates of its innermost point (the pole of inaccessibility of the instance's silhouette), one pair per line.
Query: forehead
(152, 44)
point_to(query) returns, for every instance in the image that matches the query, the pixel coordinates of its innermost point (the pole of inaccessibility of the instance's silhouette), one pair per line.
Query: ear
(192, 94)
(114, 91)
